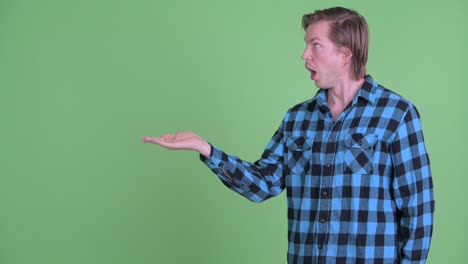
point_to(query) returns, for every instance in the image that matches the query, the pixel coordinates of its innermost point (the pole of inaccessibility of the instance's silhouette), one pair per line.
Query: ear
(347, 54)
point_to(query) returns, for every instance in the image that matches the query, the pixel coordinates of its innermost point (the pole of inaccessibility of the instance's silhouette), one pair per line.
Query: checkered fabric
(359, 189)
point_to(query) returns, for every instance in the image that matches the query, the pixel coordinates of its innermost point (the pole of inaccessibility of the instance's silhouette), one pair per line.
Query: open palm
(181, 140)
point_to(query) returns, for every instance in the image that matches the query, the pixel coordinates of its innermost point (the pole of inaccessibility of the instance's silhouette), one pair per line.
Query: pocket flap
(362, 141)
(298, 143)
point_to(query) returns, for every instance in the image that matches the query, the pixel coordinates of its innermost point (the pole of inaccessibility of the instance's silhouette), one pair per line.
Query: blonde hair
(347, 29)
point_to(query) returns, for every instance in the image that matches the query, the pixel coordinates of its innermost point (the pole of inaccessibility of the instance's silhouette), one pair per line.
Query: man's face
(322, 58)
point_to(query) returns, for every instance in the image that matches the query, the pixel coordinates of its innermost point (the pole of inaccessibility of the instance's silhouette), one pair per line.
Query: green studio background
(82, 81)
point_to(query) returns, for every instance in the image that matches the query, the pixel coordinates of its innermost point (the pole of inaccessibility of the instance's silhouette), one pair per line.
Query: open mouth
(313, 74)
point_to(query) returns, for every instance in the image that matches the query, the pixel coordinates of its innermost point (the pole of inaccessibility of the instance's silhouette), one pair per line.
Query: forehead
(317, 30)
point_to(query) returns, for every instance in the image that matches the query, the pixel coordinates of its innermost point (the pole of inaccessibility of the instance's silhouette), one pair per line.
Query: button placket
(326, 182)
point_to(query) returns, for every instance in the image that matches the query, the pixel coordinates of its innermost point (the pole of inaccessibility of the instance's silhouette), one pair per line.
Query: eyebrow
(312, 39)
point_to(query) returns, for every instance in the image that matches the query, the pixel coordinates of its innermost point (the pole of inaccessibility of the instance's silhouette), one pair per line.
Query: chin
(321, 85)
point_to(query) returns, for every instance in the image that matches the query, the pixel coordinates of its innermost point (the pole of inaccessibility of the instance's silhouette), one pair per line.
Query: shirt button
(325, 194)
(221, 164)
(322, 220)
(320, 246)
(328, 165)
(330, 139)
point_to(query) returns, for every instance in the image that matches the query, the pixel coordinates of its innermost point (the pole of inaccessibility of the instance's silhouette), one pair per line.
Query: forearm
(257, 182)
(413, 189)
(417, 232)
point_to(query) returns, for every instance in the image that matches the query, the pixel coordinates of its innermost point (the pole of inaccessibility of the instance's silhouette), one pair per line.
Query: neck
(339, 96)
(343, 93)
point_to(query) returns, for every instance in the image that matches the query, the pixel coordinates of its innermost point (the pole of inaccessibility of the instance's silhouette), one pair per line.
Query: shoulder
(309, 105)
(298, 114)
(302, 106)
(397, 111)
(392, 101)
(302, 110)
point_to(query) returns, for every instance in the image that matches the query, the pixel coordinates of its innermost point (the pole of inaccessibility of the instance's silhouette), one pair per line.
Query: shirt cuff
(214, 159)
(220, 163)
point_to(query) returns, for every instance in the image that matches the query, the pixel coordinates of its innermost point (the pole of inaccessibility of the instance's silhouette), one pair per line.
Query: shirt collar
(366, 92)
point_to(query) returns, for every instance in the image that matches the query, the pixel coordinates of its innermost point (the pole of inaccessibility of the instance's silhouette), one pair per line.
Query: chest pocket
(299, 154)
(359, 153)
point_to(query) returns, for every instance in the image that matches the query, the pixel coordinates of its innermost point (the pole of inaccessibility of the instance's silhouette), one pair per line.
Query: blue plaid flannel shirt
(359, 189)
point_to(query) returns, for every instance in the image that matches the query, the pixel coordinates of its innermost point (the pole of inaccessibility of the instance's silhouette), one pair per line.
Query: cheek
(328, 61)
(322, 57)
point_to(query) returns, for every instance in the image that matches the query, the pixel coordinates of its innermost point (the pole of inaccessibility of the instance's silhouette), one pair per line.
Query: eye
(315, 45)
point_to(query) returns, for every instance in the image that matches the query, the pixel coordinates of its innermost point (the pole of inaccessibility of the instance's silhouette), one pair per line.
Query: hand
(181, 140)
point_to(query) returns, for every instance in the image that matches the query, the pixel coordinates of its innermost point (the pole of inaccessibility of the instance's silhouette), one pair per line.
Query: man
(352, 159)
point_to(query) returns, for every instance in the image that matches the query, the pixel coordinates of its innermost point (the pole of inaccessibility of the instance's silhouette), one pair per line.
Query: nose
(306, 54)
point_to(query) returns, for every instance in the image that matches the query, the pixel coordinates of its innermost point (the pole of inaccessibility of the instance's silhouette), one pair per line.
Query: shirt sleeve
(256, 181)
(413, 189)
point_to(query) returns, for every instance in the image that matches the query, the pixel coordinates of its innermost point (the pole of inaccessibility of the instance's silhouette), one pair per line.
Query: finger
(144, 139)
(166, 143)
(167, 136)
(151, 139)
